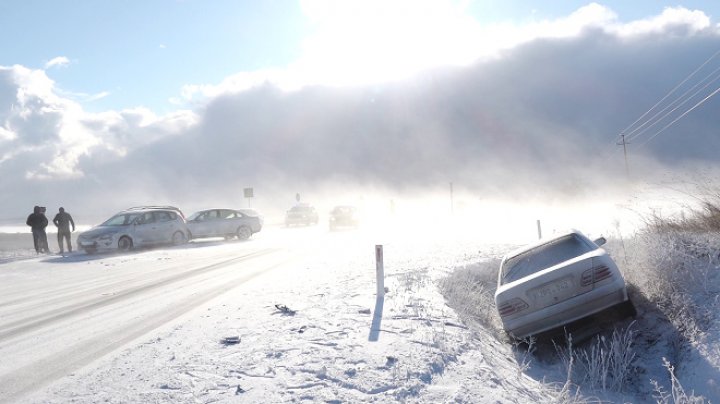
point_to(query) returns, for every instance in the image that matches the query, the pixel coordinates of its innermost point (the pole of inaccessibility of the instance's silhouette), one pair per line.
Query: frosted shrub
(471, 292)
(607, 364)
(671, 268)
(677, 394)
(569, 392)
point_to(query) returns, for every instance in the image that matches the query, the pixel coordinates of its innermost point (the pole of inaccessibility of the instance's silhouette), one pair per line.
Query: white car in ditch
(554, 282)
(137, 227)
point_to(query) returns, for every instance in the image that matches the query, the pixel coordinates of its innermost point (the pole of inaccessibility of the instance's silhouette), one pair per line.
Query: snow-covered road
(148, 326)
(58, 314)
(152, 325)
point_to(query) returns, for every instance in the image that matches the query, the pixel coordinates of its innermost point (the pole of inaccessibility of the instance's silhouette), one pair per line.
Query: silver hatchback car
(555, 282)
(136, 227)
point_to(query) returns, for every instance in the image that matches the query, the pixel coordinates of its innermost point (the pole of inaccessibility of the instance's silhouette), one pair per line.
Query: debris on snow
(231, 340)
(285, 310)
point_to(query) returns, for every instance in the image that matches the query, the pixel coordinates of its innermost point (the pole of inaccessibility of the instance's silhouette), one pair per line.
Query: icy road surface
(149, 326)
(60, 313)
(288, 316)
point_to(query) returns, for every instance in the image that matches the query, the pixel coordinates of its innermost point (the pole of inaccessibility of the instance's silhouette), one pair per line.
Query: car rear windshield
(544, 256)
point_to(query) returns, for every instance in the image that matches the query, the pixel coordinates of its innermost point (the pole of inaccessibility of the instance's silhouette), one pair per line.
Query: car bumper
(95, 244)
(566, 312)
(302, 220)
(343, 223)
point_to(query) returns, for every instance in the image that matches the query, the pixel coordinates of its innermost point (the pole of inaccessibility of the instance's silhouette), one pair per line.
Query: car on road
(301, 214)
(228, 223)
(343, 216)
(556, 281)
(137, 227)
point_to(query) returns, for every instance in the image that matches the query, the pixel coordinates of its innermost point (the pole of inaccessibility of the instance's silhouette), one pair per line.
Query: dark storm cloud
(543, 116)
(548, 109)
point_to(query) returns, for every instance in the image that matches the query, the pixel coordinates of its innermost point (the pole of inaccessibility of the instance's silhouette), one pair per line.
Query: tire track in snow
(80, 284)
(19, 327)
(25, 379)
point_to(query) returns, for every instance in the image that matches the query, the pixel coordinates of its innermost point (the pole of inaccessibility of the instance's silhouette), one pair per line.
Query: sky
(177, 101)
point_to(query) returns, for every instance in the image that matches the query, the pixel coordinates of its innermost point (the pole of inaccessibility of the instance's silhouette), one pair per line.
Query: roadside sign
(248, 192)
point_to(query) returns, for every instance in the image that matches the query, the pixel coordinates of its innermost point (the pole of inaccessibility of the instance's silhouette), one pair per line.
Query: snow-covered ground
(289, 316)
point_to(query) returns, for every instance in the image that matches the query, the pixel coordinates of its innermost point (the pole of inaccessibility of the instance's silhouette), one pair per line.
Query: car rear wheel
(243, 233)
(179, 238)
(125, 243)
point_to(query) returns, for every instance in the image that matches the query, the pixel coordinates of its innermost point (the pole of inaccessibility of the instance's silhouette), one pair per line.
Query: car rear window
(544, 256)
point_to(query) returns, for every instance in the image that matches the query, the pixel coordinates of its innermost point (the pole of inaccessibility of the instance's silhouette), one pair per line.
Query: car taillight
(511, 307)
(594, 275)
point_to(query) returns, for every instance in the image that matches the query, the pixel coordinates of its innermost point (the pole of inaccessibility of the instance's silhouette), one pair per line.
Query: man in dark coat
(38, 222)
(62, 221)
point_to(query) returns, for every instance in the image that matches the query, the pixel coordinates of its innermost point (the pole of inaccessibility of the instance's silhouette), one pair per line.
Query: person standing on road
(45, 247)
(62, 221)
(38, 222)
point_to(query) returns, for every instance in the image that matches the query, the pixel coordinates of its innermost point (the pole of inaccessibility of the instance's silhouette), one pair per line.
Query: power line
(678, 118)
(637, 129)
(634, 135)
(671, 91)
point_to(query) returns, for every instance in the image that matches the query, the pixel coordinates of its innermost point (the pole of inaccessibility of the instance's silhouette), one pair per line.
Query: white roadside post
(380, 271)
(539, 230)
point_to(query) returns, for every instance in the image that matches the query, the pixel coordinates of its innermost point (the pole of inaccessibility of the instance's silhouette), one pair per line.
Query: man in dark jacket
(62, 221)
(38, 222)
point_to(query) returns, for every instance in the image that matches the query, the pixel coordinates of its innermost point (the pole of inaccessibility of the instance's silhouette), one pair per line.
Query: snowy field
(292, 316)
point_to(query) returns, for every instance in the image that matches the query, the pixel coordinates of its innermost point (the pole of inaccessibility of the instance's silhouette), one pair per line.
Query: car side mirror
(600, 241)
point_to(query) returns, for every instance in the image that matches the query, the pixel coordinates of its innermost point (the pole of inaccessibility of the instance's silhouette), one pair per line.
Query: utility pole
(624, 143)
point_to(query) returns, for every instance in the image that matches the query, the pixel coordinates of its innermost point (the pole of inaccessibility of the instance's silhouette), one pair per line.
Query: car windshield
(301, 209)
(122, 219)
(544, 256)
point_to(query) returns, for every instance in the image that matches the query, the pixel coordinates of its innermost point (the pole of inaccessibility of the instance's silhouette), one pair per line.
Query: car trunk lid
(556, 284)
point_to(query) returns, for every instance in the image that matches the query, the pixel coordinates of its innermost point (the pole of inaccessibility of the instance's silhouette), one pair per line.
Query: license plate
(552, 290)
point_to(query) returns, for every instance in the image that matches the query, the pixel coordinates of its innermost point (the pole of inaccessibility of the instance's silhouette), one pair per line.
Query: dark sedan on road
(301, 214)
(343, 216)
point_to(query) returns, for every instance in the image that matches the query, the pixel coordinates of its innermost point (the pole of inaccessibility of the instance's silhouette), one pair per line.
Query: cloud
(59, 61)
(46, 137)
(538, 112)
(371, 42)
(671, 19)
